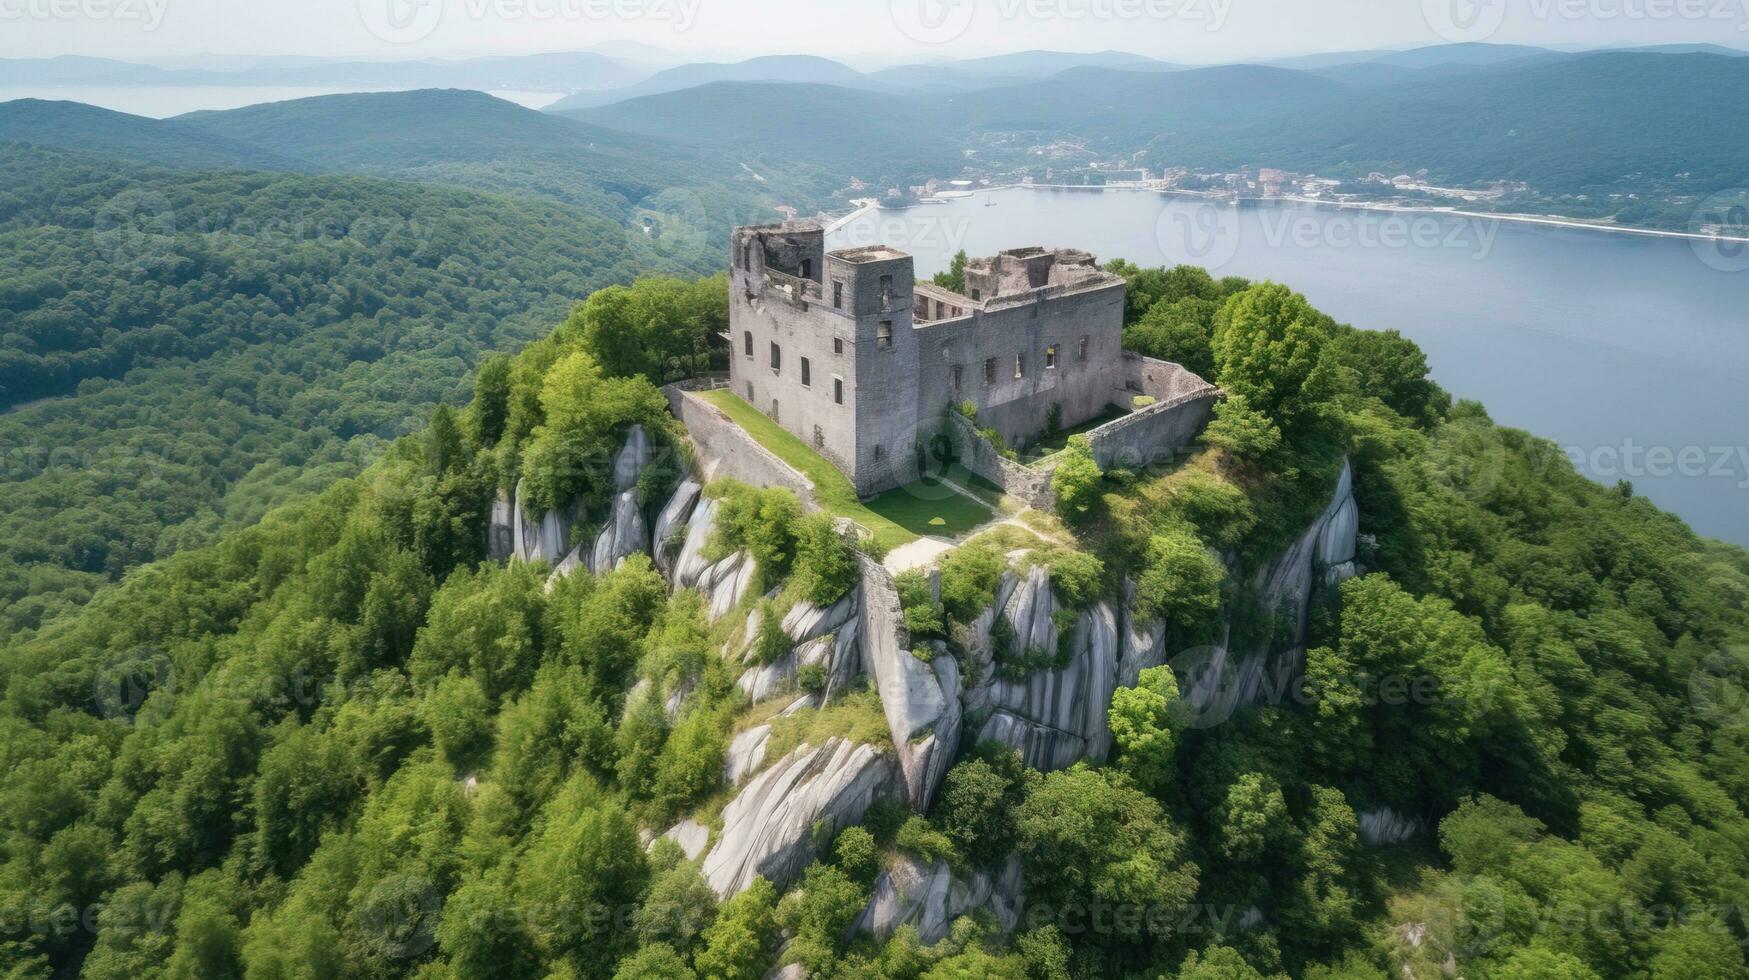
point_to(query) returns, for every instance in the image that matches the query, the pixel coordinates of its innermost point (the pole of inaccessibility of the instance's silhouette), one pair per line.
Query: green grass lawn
(894, 518)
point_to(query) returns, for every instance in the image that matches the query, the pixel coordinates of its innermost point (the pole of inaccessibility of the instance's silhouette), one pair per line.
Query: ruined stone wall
(974, 453)
(1018, 407)
(726, 450)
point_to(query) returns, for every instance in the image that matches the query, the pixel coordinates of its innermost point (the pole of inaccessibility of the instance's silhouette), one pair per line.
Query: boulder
(673, 515)
(763, 681)
(931, 897)
(623, 536)
(565, 568)
(726, 583)
(806, 621)
(921, 715)
(768, 828)
(632, 458)
(691, 836)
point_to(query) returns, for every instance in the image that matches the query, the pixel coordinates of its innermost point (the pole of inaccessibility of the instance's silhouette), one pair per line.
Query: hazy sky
(865, 30)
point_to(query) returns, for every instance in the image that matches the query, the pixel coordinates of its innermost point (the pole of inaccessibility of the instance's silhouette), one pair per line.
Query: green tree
(825, 561)
(1182, 581)
(1142, 729)
(1273, 350)
(1076, 481)
(737, 946)
(460, 718)
(1087, 835)
(955, 276)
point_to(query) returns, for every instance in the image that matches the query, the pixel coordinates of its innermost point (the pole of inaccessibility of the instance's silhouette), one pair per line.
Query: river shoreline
(1551, 221)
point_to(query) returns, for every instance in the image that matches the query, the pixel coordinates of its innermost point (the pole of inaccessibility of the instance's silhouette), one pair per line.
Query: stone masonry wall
(726, 450)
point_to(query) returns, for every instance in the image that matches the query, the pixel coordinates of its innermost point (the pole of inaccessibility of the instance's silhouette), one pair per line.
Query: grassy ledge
(894, 518)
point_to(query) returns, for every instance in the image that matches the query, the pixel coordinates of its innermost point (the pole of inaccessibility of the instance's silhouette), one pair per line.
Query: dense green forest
(339, 743)
(182, 350)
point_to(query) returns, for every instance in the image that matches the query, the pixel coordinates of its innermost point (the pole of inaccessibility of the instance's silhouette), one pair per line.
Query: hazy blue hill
(1131, 108)
(1009, 69)
(556, 72)
(1576, 122)
(466, 138)
(1691, 49)
(1472, 53)
(77, 126)
(777, 68)
(808, 138)
(74, 70)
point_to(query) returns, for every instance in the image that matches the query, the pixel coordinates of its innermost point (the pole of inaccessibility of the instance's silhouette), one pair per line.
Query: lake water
(164, 101)
(1630, 352)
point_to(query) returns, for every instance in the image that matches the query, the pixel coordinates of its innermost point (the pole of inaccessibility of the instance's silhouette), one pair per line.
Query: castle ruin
(848, 351)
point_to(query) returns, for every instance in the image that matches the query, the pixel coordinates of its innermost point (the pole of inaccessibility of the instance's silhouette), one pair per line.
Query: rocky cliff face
(1054, 716)
(768, 828)
(1223, 678)
(921, 699)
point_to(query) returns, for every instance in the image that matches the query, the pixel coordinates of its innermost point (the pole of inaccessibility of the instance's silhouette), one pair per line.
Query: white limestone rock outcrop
(633, 457)
(768, 828)
(547, 539)
(931, 897)
(746, 753)
(921, 700)
(1144, 644)
(691, 836)
(623, 535)
(500, 530)
(725, 582)
(566, 567)
(1053, 717)
(1224, 680)
(672, 516)
(1384, 826)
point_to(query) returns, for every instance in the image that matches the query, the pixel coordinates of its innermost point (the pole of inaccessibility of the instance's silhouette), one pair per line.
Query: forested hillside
(342, 743)
(181, 350)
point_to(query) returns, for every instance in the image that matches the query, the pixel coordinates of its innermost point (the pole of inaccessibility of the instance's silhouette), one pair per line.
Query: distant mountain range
(618, 72)
(1624, 134)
